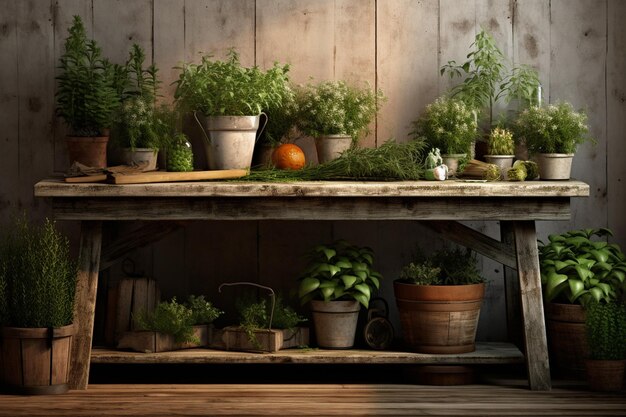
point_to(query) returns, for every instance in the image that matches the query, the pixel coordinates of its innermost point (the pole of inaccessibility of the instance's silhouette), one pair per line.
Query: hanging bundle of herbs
(390, 161)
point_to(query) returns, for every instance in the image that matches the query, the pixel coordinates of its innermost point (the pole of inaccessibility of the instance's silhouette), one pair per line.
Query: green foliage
(489, 77)
(282, 117)
(500, 142)
(339, 271)
(458, 266)
(421, 273)
(556, 128)
(337, 108)
(88, 85)
(577, 269)
(256, 315)
(447, 124)
(226, 88)
(606, 330)
(171, 317)
(138, 123)
(390, 161)
(523, 171)
(202, 311)
(37, 276)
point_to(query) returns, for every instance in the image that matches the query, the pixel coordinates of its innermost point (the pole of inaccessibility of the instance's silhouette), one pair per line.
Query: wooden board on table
(160, 176)
(86, 179)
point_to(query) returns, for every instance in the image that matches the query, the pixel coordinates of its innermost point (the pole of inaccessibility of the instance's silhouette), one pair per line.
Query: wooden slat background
(396, 45)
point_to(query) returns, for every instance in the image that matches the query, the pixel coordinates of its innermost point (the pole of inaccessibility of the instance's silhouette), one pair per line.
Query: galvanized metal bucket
(229, 140)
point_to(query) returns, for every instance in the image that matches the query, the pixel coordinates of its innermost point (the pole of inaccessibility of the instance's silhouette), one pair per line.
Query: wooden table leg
(511, 290)
(84, 310)
(534, 325)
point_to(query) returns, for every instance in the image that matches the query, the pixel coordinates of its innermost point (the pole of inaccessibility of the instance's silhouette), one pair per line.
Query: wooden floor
(513, 399)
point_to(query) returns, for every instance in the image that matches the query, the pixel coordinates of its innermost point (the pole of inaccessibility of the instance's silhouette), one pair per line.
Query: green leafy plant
(577, 269)
(606, 330)
(421, 273)
(226, 88)
(282, 117)
(88, 85)
(500, 142)
(173, 318)
(556, 128)
(137, 124)
(37, 276)
(339, 271)
(447, 124)
(458, 266)
(202, 311)
(522, 171)
(337, 108)
(488, 77)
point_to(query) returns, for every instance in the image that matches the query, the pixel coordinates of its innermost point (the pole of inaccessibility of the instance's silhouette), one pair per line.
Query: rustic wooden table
(440, 204)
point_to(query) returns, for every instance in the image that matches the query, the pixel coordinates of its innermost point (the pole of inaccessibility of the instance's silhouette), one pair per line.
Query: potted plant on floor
(553, 133)
(439, 302)
(37, 288)
(336, 114)
(136, 124)
(87, 96)
(500, 149)
(606, 333)
(339, 280)
(576, 270)
(230, 99)
(449, 125)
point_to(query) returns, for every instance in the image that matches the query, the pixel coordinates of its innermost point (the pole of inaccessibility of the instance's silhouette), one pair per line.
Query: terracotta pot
(605, 375)
(330, 147)
(335, 323)
(36, 361)
(439, 318)
(89, 151)
(567, 337)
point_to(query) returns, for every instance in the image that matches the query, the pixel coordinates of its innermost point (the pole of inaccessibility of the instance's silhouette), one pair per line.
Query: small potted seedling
(500, 149)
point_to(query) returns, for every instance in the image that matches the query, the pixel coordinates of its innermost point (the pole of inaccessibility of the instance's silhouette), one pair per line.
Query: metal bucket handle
(271, 291)
(258, 133)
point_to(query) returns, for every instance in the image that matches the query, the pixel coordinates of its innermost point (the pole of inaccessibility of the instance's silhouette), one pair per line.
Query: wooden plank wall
(395, 45)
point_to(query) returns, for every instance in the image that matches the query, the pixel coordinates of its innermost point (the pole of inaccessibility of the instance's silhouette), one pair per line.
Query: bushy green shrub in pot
(229, 99)
(439, 302)
(37, 289)
(339, 280)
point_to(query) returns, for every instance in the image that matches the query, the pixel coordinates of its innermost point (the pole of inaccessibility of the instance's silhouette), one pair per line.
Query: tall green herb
(37, 276)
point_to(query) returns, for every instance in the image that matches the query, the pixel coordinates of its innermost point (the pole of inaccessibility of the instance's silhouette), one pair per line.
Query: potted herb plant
(171, 326)
(37, 289)
(449, 125)
(338, 280)
(577, 269)
(500, 149)
(87, 97)
(136, 126)
(230, 99)
(336, 113)
(553, 133)
(439, 302)
(606, 333)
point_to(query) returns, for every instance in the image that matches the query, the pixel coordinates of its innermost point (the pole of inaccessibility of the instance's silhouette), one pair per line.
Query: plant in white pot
(500, 149)
(439, 302)
(87, 97)
(449, 125)
(136, 128)
(336, 114)
(37, 289)
(553, 133)
(339, 280)
(230, 99)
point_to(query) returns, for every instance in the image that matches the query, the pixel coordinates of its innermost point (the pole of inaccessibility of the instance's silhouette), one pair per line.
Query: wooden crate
(134, 295)
(154, 342)
(234, 338)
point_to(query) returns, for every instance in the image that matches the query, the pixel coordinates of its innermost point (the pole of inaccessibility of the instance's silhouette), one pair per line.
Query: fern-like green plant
(606, 330)
(421, 273)
(37, 276)
(88, 86)
(203, 311)
(458, 266)
(169, 317)
(500, 142)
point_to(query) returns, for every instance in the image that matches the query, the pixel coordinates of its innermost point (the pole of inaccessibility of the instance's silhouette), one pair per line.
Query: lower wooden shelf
(486, 353)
